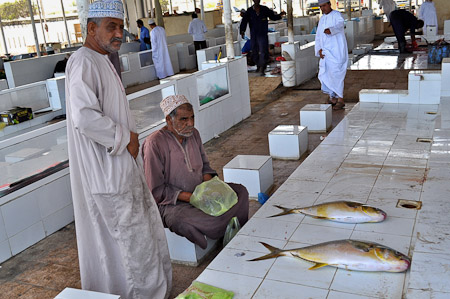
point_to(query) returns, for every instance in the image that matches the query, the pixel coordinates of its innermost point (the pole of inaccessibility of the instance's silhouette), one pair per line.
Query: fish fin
(320, 217)
(286, 211)
(274, 252)
(317, 266)
(353, 204)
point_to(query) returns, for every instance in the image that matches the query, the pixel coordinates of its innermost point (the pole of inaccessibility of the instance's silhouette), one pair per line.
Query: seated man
(175, 163)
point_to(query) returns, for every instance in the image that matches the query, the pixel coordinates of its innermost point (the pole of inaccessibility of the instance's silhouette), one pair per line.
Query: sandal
(339, 106)
(330, 101)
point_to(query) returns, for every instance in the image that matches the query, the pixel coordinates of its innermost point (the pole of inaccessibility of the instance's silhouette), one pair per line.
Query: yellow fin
(320, 217)
(317, 266)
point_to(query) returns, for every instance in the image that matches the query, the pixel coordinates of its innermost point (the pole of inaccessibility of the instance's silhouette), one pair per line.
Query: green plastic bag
(198, 290)
(232, 229)
(214, 197)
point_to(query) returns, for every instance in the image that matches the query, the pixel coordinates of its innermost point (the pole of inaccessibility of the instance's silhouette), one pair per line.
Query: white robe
(160, 53)
(121, 242)
(427, 13)
(388, 6)
(333, 67)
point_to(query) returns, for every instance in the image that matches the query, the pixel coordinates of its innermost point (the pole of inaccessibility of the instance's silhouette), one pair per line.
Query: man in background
(144, 37)
(160, 52)
(427, 13)
(197, 29)
(402, 21)
(331, 47)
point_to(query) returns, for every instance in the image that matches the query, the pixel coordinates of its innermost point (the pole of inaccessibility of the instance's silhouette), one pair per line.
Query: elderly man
(427, 13)
(175, 163)
(402, 21)
(160, 53)
(331, 47)
(121, 242)
(257, 17)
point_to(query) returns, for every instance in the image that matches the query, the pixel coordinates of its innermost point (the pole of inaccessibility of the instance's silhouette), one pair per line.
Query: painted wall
(443, 11)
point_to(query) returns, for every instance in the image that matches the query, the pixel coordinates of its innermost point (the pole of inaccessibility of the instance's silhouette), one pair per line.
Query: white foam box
(70, 293)
(288, 142)
(253, 171)
(317, 117)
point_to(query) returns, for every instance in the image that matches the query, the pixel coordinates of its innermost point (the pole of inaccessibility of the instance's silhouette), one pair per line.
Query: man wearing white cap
(331, 47)
(160, 53)
(122, 247)
(427, 13)
(175, 163)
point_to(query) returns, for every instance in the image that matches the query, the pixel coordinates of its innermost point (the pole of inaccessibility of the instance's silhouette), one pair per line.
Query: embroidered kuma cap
(151, 21)
(106, 9)
(170, 103)
(323, 1)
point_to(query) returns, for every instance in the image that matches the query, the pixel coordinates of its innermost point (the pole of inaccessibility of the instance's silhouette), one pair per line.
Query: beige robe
(121, 242)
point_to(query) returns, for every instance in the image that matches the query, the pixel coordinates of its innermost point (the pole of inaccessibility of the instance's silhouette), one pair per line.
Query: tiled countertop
(372, 157)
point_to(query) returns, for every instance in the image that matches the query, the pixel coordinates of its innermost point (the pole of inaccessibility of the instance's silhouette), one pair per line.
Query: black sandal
(339, 106)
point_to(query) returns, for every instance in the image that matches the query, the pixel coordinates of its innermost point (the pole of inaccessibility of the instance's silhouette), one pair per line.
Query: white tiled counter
(372, 157)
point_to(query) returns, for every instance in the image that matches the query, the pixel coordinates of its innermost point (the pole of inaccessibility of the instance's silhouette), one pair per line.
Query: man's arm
(190, 29)
(87, 116)
(244, 22)
(271, 14)
(338, 26)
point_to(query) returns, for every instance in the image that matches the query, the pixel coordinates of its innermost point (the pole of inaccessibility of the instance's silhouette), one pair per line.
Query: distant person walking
(144, 37)
(427, 13)
(160, 52)
(331, 47)
(197, 29)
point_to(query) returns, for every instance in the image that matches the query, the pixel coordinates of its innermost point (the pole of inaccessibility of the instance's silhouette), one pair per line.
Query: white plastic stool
(317, 117)
(288, 142)
(252, 171)
(183, 251)
(69, 293)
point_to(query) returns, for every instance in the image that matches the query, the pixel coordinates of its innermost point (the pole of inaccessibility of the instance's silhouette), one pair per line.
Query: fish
(346, 254)
(339, 211)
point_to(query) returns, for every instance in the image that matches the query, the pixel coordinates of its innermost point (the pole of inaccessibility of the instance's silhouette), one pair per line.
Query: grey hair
(173, 113)
(97, 21)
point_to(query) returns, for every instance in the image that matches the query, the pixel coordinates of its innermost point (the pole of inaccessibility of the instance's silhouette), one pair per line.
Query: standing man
(427, 13)
(197, 29)
(144, 37)
(388, 6)
(122, 247)
(401, 21)
(257, 18)
(160, 53)
(331, 47)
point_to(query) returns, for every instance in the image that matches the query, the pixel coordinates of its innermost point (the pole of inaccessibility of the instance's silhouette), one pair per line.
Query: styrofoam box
(288, 142)
(317, 117)
(69, 293)
(252, 171)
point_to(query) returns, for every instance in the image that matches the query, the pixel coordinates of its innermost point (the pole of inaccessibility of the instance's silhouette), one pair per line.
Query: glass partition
(32, 96)
(145, 108)
(124, 63)
(145, 58)
(33, 156)
(212, 85)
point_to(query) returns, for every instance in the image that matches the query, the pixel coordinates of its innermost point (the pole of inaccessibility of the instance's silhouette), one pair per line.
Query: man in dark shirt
(257, 18)
(401, 21)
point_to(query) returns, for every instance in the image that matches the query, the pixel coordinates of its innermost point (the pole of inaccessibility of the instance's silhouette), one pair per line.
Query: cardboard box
(16, 115)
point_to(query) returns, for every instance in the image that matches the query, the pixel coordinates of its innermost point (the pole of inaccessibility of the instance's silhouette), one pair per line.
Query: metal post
(228, 28)
(170, 6)
(139, 9)
(40, 21)
(152, 10)
(370, 4)
(202, 10)
(145, 8)
(3, 36)
(246, 3)
(303, 7)
(65, 24)
(410, 5)
(280, 5)
(33, 25)
(359, 7)
(290, 18)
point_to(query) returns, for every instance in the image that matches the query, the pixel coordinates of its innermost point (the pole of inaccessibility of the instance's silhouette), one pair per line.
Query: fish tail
(274, 252)
(286, 211)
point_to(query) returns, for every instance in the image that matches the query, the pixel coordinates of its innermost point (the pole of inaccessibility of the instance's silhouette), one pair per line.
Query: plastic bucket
(288, 73)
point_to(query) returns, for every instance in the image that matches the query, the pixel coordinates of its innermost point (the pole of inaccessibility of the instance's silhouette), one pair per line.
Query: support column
(280, 5)
(3, 37)
(83, 9)
(246, 3)
(228, 28)
(370, 4)
(410, 5)
(302, 6)
(65, 24)
(139, 9)
(290, 19)
(158, 14)
(202, 10)
(33, 25)
(152, 10)
(145, 3)
(42, 25)
(170, 7)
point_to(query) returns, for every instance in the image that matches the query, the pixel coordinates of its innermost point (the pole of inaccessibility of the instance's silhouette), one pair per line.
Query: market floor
(46, 268)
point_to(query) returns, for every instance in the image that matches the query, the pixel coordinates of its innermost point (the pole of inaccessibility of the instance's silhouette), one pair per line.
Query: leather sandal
(339, 106)
(330, 101)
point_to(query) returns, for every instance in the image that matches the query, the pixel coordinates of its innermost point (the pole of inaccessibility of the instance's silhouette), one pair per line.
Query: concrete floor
(46, 268)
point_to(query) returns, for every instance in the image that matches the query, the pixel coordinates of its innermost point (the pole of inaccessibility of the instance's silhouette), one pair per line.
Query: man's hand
(243, 34)
(184, 196)
(414, 44)
(327, 31)
(321, 55)
(283, 13)
(133, 146)
(207, 177)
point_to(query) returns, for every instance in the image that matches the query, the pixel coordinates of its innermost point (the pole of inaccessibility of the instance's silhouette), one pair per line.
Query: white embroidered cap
(171, 102)
(151, 21)
(323, 1)
(106, 9)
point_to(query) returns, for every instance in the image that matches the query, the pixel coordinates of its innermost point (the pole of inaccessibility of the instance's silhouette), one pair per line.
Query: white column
(202, 10)
(139, 9)
(42, 25)
(228, 28)
(3, 37)
(145, 3)
(65, 24)
(33, 25)
(170, 7)
(302, 2)
(246, 3)
(280, 5)
(152, 11)
(370, 4)
(290, 18)
(83, 9)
